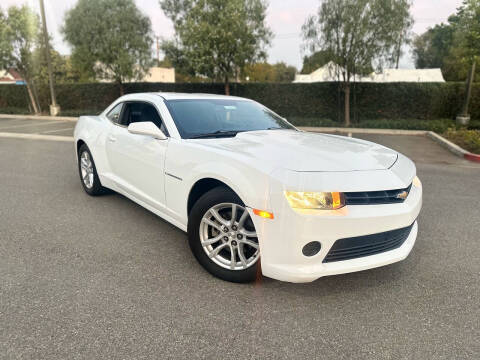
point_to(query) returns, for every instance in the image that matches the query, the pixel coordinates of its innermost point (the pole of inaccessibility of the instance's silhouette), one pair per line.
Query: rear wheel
(88, 172)
(222, 236)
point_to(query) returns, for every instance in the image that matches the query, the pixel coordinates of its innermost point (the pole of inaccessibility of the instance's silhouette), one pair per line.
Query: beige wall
(160, 74)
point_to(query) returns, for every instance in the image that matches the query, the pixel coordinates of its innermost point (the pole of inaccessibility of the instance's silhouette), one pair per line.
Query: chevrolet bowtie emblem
(403, 195)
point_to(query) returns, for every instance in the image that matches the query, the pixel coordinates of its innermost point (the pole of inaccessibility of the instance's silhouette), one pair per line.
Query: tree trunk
(398, 53)
(35, 95)
(120, 88)
(32, 98)
(347, 104)
(398, 58)
(227, 86)
(468, 94)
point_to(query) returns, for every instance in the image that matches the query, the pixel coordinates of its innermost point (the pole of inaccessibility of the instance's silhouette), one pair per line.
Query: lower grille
(360, 246)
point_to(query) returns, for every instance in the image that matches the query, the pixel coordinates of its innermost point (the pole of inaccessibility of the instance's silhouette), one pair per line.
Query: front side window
(114, 114)
(140, 112)
(197, 117)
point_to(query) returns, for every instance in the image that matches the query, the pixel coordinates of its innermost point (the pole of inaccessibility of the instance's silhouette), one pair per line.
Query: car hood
(304, 151)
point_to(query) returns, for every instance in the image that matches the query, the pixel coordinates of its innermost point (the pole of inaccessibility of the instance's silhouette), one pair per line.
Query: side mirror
(146, 128)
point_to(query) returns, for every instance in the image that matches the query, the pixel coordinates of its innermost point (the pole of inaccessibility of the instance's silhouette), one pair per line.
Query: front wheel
(222, 236)
(88, 172)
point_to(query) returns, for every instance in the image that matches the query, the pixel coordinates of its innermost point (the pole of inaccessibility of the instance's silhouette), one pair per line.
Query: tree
(265, 72)
(112, 36)
(467, 44)
(176, 56)
(432, 47)
(40, 67)
(61, 66)
(217, 38)
(284, 72)
(19, 30)
(315, 61)
(358, 33)
(82, 66)
(404, 33)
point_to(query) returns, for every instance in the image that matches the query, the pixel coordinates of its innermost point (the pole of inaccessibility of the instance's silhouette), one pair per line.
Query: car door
(137, 161)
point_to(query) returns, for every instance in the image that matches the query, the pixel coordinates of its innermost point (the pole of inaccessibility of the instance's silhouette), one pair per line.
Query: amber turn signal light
(263, 214)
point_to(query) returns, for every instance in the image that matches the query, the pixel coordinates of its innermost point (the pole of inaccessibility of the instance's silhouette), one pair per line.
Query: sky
(284, 17)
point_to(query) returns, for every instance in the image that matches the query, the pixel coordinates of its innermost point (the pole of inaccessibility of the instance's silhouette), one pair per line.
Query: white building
(406, 75)
(332, 71)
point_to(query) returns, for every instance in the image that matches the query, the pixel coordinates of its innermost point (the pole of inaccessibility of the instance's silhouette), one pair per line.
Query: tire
(238, 238)
(96, 187)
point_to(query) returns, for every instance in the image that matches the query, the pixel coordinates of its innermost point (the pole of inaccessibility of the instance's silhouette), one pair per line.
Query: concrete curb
(454, 148)
(38, 117)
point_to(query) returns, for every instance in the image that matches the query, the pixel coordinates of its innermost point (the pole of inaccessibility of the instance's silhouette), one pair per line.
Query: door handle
(112, 138)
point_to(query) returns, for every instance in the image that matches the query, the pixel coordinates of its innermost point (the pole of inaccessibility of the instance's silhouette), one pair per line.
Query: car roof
(180, 96)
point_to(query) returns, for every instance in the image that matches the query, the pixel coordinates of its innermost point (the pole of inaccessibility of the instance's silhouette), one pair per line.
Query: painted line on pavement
(28, 125)
(36, 137)
(57, 130)
(39, 117)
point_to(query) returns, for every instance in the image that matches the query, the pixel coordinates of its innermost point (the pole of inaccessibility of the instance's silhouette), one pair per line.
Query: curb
(38, 117)
(454, 148)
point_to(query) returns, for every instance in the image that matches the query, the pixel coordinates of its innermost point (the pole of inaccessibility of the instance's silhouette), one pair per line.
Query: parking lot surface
(84, 277)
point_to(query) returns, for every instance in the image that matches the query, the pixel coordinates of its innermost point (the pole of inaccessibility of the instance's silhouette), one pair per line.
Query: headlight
(416, 182)
(315, 200)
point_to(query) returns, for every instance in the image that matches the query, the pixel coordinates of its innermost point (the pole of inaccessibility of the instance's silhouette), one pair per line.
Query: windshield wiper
(219, 133)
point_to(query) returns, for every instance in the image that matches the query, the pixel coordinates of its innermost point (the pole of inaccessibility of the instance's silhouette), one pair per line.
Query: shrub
(310, 104)
(467, 139)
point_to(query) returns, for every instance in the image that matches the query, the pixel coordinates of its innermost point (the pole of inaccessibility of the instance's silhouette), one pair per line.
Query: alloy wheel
(228, 236)
(86, 169)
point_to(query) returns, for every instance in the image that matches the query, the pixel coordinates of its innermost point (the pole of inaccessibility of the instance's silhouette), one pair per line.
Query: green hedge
(301, 102)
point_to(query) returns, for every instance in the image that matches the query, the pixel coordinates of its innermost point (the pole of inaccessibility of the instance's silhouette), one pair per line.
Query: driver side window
(140, 112)
(114, 114)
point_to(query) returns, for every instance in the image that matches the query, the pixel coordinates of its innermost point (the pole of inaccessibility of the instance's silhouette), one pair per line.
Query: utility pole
(54, 108)
(464, 117)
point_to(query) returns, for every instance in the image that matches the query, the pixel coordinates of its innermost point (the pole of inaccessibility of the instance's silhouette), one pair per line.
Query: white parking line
(36, 137)
(27, 125)
(57, 130)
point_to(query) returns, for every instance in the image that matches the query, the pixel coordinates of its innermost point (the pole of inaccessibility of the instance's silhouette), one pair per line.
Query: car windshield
(196, 118)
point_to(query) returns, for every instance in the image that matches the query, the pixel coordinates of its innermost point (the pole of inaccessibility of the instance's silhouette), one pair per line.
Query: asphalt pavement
(103, 278)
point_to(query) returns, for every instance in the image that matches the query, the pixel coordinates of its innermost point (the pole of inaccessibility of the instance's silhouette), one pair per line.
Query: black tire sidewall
(97, 188)
(213, 197)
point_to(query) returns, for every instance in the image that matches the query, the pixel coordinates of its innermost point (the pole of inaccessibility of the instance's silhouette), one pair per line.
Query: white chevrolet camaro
(251, 190)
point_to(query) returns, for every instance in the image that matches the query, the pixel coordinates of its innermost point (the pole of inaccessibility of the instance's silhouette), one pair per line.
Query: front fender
(185, 165)
(92, 131)
(251, 186)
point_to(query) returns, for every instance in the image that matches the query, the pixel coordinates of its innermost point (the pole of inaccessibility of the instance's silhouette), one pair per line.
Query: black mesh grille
(376, 197)
(355, 247)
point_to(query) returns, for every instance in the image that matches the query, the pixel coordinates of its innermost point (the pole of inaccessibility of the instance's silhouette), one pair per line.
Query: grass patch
(466, 138)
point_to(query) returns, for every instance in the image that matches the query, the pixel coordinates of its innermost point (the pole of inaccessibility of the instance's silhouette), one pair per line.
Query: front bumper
(282, 239)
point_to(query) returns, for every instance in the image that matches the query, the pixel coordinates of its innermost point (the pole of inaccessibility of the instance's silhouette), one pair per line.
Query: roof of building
(10, 76)
(331, 71)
